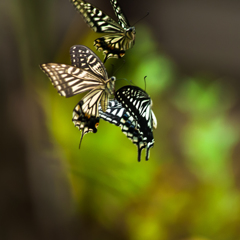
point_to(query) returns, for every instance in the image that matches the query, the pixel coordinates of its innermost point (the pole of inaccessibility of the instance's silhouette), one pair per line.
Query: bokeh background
(188, 190)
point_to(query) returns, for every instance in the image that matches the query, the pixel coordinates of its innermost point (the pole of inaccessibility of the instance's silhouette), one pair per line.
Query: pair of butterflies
(136, 124)
(122, 35)
(131, 110)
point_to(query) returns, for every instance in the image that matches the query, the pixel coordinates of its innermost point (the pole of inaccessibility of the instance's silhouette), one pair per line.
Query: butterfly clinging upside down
(122, 35)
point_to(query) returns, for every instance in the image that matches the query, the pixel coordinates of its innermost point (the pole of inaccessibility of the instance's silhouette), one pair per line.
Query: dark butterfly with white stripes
(138, 106)
(87, 74)
(122, 36)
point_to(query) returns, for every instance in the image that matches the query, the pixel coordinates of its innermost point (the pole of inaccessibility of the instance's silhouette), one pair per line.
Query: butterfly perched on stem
(132, 112)
(121, 37)
(87, 74)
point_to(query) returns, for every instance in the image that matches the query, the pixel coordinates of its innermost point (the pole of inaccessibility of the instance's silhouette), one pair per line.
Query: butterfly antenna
(81, 139)
(125, 80)
(141, 19)
(119, 67)
(112, 69)
(145, 83)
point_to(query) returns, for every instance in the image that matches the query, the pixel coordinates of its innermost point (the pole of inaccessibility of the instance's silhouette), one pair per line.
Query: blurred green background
(190, 187)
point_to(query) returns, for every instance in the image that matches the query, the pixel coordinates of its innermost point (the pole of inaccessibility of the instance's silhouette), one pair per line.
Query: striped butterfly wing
(70, 80)
(82, 122)
(122, 20)
(95, 18)
(84, 58)
(122, 37)
(120, 116)
(138, 103)
(91, 102)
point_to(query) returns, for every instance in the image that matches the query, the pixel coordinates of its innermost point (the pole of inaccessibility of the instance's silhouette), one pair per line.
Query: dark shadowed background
(188, 190)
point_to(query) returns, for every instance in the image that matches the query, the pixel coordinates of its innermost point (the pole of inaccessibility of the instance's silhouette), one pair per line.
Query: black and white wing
(138, 103)
(122, 36)
(84, 58)
(95, 18)
(120, 116)
(82, 122)
(87, 73)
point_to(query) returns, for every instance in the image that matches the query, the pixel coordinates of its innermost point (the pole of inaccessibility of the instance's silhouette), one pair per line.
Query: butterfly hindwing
(84, 123)
(69, 80)
(111, 45)
(91, 102)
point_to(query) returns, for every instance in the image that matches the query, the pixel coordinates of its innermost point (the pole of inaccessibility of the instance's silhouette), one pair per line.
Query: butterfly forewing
(122, 20)
(82, 57)
(95, 18)
(137, 101)
(69, 80)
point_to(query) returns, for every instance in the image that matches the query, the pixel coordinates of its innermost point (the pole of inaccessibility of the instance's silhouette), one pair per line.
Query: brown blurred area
(198, 36)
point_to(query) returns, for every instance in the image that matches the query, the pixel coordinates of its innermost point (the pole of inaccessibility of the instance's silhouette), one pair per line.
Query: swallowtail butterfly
(122, 36)
(138, 105)
(87, 74)
(119, 116)
(130, 125)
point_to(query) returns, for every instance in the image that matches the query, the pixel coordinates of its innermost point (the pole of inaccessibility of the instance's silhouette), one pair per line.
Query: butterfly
(119, 116)
(138, 106)
(132, 112)
(122, 36)
(87, 74)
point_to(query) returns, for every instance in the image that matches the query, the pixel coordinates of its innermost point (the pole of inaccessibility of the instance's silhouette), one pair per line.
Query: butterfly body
(122, 35)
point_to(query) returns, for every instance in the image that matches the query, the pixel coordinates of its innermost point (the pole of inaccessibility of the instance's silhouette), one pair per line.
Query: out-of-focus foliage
(187, 190)
(187, 187)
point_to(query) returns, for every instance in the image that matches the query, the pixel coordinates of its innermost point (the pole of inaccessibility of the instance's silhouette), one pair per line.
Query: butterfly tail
(147, 153)
(139, 152)
(83, 132)
(149, 145)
